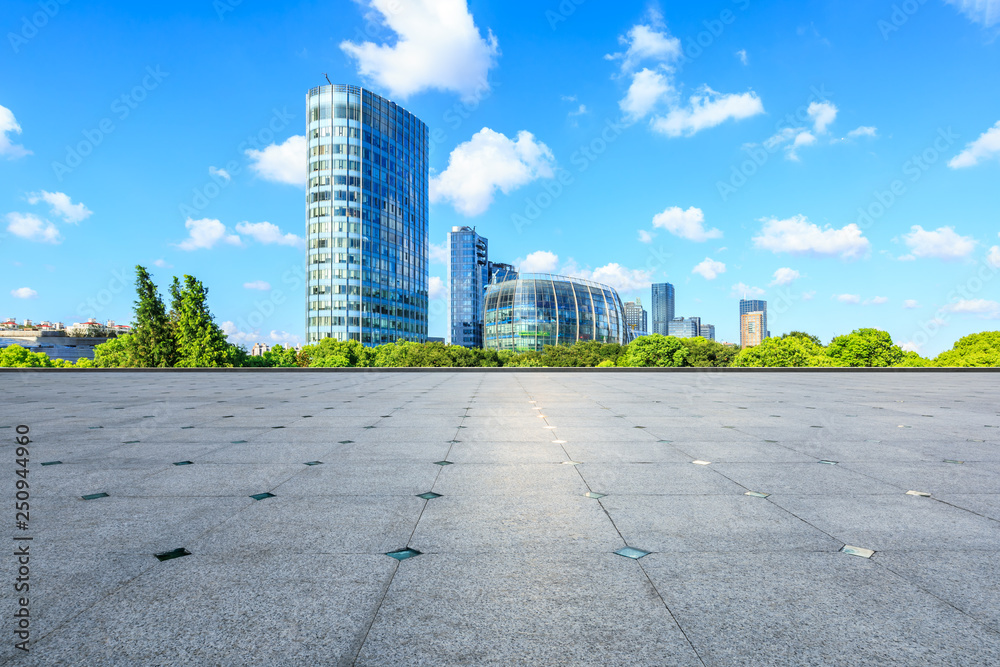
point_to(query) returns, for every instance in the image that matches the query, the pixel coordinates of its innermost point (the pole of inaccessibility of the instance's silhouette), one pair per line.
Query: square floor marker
(130, 442)
(548, 427)
(313, 463)
(430, 495)
(559, 442)
(403, 554)
(571, 463)
(829, 463)
(186, 427)
(52, 463)
(443, 463)
(756, 494)
(946, 461)
(345, 442)
(277, 427)
(632, 552)
(170, 555)
(701, 463)
(262, 496)
(857, 551)
(922, 494)
(184, 463)
(95, 496)
(595, 496)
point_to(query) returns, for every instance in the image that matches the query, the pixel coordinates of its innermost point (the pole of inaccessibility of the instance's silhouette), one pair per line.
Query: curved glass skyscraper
(366, 218)
(537, 309)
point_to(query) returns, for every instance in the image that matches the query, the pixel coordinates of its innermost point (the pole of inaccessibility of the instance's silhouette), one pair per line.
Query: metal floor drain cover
(443, 463)
(430, 495)
(756, 494)
(95, 496)
(857, 551)
(595, 496)
(313, 463)
(52, 463)
(922, 494)
(262, 496)
(184, 463)
(403, 554)
(632, 552)
(170, 555)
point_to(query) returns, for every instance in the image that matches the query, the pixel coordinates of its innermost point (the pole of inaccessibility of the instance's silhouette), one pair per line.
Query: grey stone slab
(511, 609)
(804, 478)
(725, 450)
(812, 609)
(505, 452)
(624, 452)
(483, 479)
(213, 479)
(657, 479)
(359, 478)
(935, 477)
(986, 504)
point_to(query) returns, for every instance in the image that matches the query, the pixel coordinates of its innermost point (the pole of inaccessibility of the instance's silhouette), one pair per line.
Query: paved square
(516, 560)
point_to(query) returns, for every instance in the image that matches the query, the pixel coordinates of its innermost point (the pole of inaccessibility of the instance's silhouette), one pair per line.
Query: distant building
(259, 349)
(663, 308)
(500, 272)
(435, 339)
(708, 331)
(469, 276)
(683, 327)
(753, 322)
(636, 317)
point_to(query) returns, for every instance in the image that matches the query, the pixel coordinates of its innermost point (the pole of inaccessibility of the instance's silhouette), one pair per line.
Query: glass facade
(469, 278)
(663, 308)
(684, 328)
(366, 218)
(759, 328)
(534, 310)
(636, 317)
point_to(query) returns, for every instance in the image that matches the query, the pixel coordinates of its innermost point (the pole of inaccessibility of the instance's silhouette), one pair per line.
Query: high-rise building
(366, 218)
(682, 327)
(469, 278)
(636, 317)
(500, 272)
(753, 322)
(708, 331)
(663, 308)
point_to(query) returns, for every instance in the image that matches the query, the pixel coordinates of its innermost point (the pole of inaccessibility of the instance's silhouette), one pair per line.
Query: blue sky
(841, 160)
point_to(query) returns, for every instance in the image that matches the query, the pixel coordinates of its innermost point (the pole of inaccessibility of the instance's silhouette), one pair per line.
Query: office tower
(708, 331)
(500, 272)
(753, 329)
(469, 278)
(697, 325)
(636, 317)
(538, 309)
(366, 218)
(683, 327)
(663, 308)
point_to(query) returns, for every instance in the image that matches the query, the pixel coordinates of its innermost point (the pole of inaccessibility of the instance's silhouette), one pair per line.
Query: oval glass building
(366, 218)
(538, 309)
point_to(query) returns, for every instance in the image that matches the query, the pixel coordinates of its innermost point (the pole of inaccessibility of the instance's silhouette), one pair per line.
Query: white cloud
(281, 163)
(984, 308)
(796, 235)
(822, 114)
(707, 109)
(437, 47)
(863, 131)
(24, 293)
(617, 276)
(808, 296)
(580, 111)
(689, 224)
(250, 338)
(986, 147)
(61, 205)
(744, 291)
(439, 253)
(847, 298)
(986, 12)
(486, 163)
(268, 233)
(261, 285)
(205, 233)
(162, 264)
(283, 338)
(910, 346)
(742, 55)
(993, 258)
(436, 288)
(646, 237)
(709, 269)
(785, 276)
(647, 89)
(910, 304)
(645, 42)
(804, 138)
(222, 173)
(8, 124)
(540, 261)
(943, 243)
(876, 301)
(29, 226)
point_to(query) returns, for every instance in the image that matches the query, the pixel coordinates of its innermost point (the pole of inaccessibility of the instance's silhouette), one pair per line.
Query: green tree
(151, 340)
(913, 360)
(333, 353)
(116, 353)
(655, 350)
(802, 334)
(870, 348)
(786, 352)
(200, 341)
(15, 356)
(981, 349)
(709, 353)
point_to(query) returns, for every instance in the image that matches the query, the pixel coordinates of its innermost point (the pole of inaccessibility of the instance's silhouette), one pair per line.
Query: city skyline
(825, 161)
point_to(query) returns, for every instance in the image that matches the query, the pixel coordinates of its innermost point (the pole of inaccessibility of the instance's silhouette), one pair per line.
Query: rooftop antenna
(327, 79)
